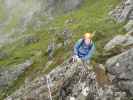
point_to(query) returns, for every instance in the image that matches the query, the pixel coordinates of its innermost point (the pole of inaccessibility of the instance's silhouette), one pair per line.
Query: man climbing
(84, 49)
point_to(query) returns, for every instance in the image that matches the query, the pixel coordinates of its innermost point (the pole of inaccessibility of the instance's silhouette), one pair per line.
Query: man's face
(87, 41)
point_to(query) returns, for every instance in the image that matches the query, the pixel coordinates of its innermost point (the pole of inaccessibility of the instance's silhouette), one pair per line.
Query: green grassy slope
(92, 16)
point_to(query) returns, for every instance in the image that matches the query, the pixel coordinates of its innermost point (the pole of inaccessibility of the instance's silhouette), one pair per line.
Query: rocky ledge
(124, 13)
(68, 82)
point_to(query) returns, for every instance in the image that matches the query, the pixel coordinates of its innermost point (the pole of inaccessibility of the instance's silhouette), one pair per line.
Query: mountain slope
(92, 16)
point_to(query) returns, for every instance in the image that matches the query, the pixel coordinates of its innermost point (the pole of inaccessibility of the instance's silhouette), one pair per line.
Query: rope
(82, 71)
(48, 86)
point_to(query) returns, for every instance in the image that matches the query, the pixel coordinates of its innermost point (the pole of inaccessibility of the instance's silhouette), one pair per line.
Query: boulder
(121, 67)
(120, 40)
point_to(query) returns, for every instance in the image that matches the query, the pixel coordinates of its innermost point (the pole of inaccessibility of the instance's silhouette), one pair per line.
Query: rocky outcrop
(120, 70)
(124, 12)
(61, 5)
(121, 41)
(67, 82)
(129, 27)
(20, 13)
(8, 75)
(22, 17)
(120, 67)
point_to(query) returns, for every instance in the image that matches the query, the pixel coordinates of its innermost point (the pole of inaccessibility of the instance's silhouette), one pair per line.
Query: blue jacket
(84, 51)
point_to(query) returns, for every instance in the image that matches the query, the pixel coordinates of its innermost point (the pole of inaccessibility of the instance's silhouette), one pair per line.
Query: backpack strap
(82, 42)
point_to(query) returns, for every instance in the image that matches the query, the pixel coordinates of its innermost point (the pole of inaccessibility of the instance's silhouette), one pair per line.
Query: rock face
(3, 55)
(7, 76)
(124, 12)
(18, 14)
(121, 67)
(31, 39)
(120, 40)
(64, 5)
(67, 82)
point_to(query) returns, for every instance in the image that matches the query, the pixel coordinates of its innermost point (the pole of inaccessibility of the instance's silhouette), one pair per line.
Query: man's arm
(91, 52)
(76, 46)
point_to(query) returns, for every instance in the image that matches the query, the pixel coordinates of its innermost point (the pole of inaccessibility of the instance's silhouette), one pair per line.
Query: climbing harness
(48, 86)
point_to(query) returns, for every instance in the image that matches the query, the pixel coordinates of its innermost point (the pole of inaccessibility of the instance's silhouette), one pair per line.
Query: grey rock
(8, 75)
(28, 14)
(121, 66)
(10, 4)
(123, 11)
(3, 55)
(130, 32)
(120, 40)
(31, 39)
(72, 4)
(129, 26)
(66, 5)
(67, 81)
(4, 39)
(126, 86)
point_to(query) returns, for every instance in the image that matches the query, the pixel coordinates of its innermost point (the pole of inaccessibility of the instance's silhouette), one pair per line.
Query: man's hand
(76, 59)
(79, 60)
